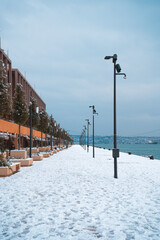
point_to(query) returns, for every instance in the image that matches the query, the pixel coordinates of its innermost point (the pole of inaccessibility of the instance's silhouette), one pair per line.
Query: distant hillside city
(120, 140)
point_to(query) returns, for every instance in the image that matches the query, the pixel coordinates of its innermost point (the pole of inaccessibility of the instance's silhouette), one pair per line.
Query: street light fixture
(117, 70)
(94, 112)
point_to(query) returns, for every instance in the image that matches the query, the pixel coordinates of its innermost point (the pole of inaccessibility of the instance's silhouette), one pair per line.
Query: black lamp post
(88, 123)
(54, 131)
(51, 136)
(59, 137)
(117, 70)
(94, 112)
(84, 137)
(30, 152)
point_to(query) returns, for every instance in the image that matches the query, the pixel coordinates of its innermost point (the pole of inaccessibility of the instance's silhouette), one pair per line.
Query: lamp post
(51, 124)
(117, 70)
(54, 132)
(59, 133)
(88, 123)
(30, 152)
(84, 137)
(94, 112)
(51, 136)
(37, 112)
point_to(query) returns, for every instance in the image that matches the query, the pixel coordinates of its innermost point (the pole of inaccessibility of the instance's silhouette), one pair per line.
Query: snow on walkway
(73, 196)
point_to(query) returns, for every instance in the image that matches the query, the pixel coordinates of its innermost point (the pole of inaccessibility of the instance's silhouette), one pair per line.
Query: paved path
(73, 196)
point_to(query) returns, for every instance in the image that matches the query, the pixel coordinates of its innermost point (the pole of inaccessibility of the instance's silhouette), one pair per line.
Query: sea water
(137, 149)
(135, 145)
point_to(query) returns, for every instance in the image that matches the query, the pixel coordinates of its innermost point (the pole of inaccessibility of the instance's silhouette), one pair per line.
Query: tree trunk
(32, 139)
(19, 139)
(41, 139)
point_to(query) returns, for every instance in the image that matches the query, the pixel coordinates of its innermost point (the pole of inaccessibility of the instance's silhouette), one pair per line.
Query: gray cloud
(61, 46)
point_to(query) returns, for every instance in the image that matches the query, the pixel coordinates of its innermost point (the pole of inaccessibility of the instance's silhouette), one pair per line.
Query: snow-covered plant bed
(45, 152)
(59, 149)
(52, 152)
(48, 153)
(37, 157)
(21, 156)
(24, 162)
(43, 149)
(48, 148)
(7, 168)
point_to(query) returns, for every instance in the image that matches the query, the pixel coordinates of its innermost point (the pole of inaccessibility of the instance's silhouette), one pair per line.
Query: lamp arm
(121, 74)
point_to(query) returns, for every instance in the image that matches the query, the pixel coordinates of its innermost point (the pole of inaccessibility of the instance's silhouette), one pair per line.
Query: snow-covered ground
(73, 196)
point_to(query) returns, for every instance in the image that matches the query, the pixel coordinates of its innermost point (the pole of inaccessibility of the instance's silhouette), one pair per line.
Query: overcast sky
(61, 46)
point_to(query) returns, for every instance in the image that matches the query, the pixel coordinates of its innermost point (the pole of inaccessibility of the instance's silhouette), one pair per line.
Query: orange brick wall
(14, 128)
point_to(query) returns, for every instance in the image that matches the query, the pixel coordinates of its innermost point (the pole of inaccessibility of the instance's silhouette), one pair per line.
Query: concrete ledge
(34, 150)
(44, 149)
(18, 154)
(24, 162)
(5, 171)
(37, 158)
(46, 155)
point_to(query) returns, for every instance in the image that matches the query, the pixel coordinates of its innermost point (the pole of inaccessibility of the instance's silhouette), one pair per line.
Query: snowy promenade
(73, 196)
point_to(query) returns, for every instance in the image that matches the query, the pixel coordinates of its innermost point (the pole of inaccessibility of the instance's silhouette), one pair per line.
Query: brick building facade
(15, 76)
(9, 129)
(8, 66)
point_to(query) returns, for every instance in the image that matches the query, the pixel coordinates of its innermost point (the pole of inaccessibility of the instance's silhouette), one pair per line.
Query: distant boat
(152, 142)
